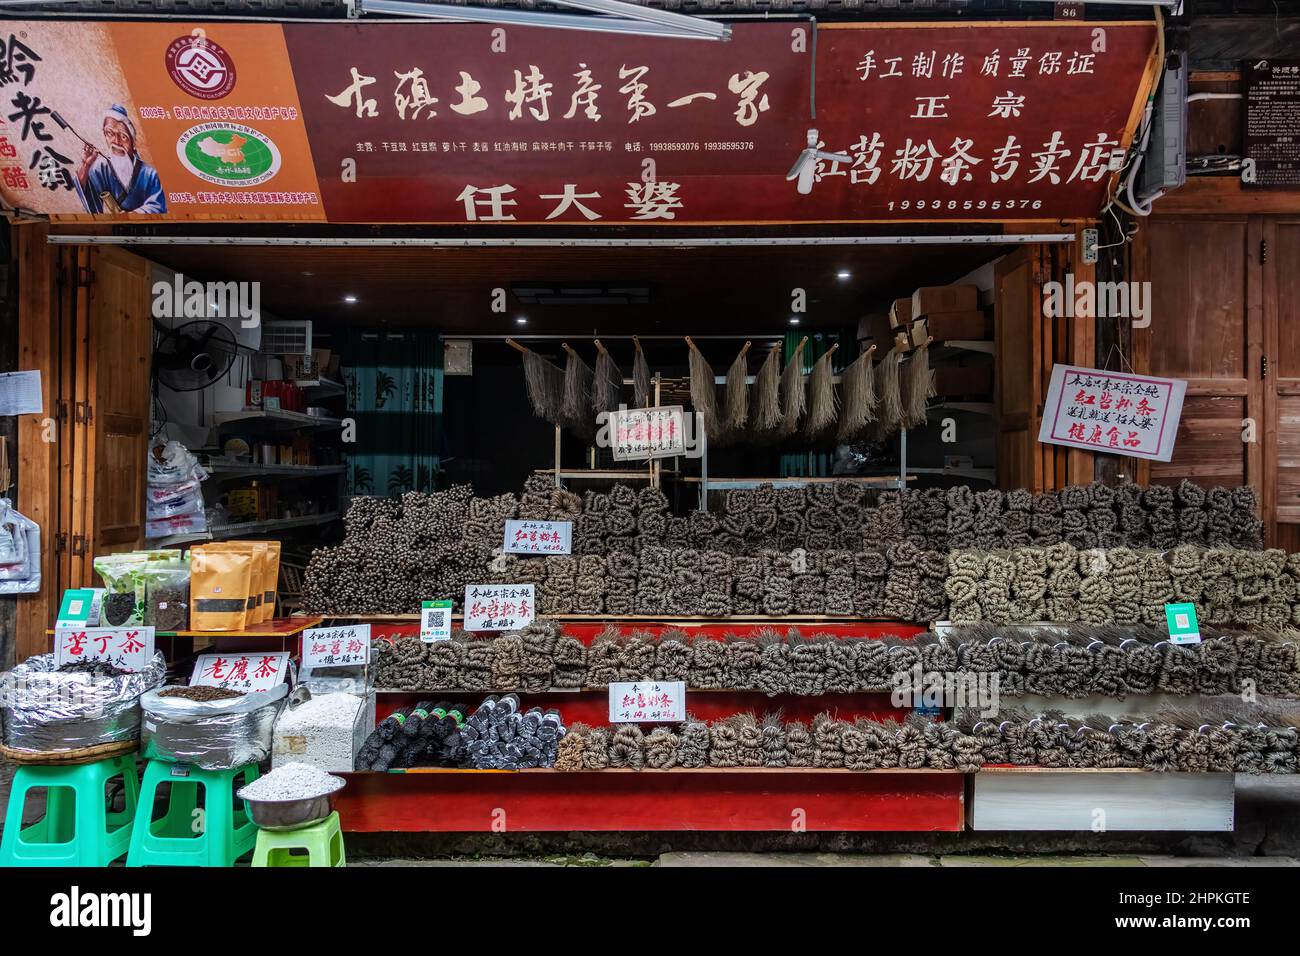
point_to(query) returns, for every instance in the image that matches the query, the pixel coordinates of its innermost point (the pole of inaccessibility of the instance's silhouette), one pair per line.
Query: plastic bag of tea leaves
(166, 595)
(124, 588)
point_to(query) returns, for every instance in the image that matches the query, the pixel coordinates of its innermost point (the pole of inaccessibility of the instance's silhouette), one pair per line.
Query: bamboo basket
(69, 758)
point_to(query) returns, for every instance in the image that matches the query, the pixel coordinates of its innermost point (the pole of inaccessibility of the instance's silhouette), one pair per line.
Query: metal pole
(704, 463)
(902, 459)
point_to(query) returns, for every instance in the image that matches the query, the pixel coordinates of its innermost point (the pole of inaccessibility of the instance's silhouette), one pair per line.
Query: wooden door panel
(121, 340)
(1208, 446)
(1198, 298)
(1285, 263)
(1282, 385)
(1017, 360)
(1206, 328)
(1287, 450)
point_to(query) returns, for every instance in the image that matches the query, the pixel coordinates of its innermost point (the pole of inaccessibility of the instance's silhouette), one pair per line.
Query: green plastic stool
(323, 843)
(78, 828)
(177, 838)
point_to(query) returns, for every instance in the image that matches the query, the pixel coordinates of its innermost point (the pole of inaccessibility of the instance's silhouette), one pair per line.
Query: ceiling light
(521, 320)
(844, 274)
(350, 299)
(631, 19)
(794, 320)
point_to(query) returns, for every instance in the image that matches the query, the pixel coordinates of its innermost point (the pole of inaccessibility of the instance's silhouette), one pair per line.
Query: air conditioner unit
(286, 337)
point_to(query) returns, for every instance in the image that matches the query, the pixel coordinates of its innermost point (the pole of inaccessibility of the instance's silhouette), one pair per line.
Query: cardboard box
(944, 298)
(900, 313)
(874, 329)
(964, 380)
(945, 326)
(917, 334)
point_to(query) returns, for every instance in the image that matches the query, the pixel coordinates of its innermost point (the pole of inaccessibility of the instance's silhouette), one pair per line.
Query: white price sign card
(636, 433)
(498, 607)
(260, 670)
(130, 648)
(647, 702)
(344, 646)
(1112, 412)
(538, 537)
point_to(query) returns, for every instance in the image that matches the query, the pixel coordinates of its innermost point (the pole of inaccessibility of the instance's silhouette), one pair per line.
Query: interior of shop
(418, 350)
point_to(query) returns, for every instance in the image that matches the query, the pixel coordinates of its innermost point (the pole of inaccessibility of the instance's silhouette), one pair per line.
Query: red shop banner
(466, 123)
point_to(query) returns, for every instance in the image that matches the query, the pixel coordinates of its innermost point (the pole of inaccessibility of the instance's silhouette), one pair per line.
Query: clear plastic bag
(20, 552)
(167, 595)
(123, 588)
(167, 501)
(172, 463)
(195, 523)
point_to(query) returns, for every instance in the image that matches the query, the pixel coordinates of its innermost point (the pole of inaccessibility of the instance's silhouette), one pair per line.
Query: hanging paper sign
(647, 702)
(336, 646)
(639, 433)
(435, 621)
(260, 670)
(130, 648)
(498, 607)
(1112, 412)
(538, 537)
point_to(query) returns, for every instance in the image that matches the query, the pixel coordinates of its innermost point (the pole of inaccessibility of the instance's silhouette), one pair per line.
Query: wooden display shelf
(279, 627)
(758, 771)
(222, 532)
(727, 484)
(275, 417)
(586, 628)
(592, 706)
(708, 798)
(664, 619)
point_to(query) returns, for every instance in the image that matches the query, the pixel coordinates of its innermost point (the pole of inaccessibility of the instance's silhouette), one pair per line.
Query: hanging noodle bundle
(889, 399)
(794, 398)
(822, 404)
(577, 393)
(859, 388)
(609, 382)
(765, 418)
(736, 392)
(917, 388)
(545, 383)
(704, 392)
(641, 381)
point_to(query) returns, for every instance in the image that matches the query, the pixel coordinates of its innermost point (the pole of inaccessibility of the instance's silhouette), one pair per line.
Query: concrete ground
(1267, 833)
(727, 859)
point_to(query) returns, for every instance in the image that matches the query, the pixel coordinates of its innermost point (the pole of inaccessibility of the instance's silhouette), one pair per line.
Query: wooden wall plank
(37, 458)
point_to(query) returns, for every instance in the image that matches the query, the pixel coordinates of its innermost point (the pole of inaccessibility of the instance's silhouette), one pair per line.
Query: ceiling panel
(691, 290)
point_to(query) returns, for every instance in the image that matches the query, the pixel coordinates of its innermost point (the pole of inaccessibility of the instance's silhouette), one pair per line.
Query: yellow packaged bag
(272, 586)
(260, 550)
(220, 588)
